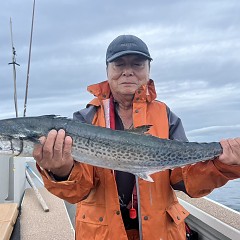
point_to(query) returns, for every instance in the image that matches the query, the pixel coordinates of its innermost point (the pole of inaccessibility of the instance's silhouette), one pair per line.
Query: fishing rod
(14, 70)
(29, 61)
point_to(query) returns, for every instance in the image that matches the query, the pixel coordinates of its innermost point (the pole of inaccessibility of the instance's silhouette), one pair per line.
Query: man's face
(127, 73)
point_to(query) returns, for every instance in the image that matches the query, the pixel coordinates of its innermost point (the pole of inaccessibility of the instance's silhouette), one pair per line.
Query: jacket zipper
(139, 209)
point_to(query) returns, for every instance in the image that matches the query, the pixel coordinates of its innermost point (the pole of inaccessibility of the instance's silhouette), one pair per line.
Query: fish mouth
(7, 146)
(5, 152)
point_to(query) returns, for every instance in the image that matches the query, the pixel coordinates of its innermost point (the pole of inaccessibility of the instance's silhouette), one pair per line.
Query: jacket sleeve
(82, 178)
(200, 179)
(78, 185)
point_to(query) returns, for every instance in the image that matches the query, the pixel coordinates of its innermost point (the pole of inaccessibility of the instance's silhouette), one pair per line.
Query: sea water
(228, 195)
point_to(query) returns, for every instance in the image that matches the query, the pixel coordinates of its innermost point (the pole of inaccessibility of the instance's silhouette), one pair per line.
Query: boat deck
(218, 211)
(37, 224)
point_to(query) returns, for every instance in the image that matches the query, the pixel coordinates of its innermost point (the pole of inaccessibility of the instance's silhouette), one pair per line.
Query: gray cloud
(195, 46)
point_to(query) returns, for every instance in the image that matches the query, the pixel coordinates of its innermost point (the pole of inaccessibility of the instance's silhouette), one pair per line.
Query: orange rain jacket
(94, 189)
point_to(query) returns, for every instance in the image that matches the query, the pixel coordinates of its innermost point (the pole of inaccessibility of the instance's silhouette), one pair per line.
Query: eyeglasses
(135, 65)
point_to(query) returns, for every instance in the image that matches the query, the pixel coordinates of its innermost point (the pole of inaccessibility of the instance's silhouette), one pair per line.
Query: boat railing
(211, 219)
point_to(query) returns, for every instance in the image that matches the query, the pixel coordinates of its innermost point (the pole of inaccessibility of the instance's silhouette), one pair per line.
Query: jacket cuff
(230, 171)
(49, 180)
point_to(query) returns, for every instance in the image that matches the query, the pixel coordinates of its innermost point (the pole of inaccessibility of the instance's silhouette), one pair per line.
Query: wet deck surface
(231, 218)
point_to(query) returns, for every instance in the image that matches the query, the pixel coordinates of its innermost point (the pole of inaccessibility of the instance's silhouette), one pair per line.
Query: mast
(14, 70)
(29, 60)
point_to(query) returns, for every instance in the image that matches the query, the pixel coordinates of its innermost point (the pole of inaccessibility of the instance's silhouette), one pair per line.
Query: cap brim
(123, 53)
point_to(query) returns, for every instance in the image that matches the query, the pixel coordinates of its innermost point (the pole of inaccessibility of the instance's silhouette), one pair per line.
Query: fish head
(13, 132)
(22, 128)
(10, 146)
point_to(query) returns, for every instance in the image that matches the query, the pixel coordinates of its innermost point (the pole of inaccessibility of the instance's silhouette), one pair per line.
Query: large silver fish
(128, 151)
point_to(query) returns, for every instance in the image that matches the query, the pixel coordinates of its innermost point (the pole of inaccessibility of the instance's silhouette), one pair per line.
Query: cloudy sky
(195, 46)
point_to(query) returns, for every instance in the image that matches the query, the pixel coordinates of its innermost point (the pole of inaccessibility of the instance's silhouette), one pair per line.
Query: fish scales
(129, 151)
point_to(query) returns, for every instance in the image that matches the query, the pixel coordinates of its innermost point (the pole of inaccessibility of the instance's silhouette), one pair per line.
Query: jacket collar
(145, 93)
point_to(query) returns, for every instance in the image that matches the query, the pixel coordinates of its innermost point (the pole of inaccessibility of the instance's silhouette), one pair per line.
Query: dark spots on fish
(169, 155)
(148, 163)
(98, 153)
(198, 156)
(82, 148)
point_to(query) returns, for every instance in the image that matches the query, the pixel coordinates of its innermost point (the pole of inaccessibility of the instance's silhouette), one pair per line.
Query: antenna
(29, 60)
(14, 70)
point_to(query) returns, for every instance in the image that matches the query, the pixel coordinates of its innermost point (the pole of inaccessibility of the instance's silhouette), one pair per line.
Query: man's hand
(54, 153)
(231, 151)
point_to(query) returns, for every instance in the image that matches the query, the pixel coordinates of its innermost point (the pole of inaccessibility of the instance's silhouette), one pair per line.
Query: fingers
(43, 152)
(55, 152)
(48, 145)
(225, 145)
(231, 145)
(231, 151)
(37, 152)
(58, 146)
(235, 143)
(67, 147)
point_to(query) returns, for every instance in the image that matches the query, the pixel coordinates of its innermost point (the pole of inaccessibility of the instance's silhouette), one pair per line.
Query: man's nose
(127, 70)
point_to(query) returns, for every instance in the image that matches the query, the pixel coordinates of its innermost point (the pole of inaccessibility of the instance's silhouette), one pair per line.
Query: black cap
(125, 45)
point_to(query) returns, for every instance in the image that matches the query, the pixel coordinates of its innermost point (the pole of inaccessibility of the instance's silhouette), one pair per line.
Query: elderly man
(117, 205)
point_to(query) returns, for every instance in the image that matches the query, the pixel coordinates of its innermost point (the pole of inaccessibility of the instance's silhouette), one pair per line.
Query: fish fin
(52, 116)
(144, 176)
(140, 130)
(32, 138)
(49, 116)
